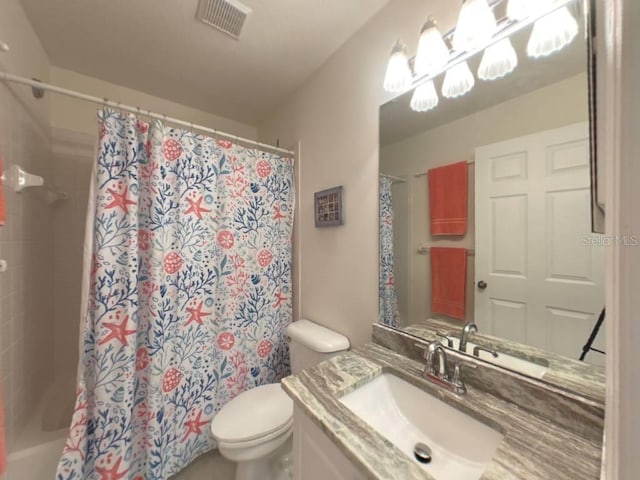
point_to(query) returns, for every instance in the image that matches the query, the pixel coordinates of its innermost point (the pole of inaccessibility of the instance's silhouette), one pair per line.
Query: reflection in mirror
(518, 258)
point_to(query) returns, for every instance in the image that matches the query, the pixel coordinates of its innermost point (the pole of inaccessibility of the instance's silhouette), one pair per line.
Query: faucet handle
(456, 373)
(447, 338)
(458, 385)
(456, 370)
(477, 349)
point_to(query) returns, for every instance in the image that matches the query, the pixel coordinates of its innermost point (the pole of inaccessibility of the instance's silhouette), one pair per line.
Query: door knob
(482, 284)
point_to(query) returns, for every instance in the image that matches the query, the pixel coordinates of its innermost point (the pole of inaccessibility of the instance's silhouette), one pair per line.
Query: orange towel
(3, 213)
(448, 281)
(448, 190)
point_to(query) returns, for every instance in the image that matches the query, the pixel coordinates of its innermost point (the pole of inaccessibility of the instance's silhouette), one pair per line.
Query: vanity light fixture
(552, 32)
(424, 97)
(398, 77)
(520, 9)
(476, 26)
(433, 53)
(498, 60)
(458, 81)
(554, 27)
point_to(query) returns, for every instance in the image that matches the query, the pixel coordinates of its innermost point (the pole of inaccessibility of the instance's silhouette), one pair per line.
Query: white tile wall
(26, 242)
(73, 155)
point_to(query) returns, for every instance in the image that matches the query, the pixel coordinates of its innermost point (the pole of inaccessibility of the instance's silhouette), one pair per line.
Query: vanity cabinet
(315, 455)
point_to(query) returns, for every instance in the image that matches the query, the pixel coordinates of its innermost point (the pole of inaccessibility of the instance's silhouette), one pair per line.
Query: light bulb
(398, 76)
(476, 26)
(424, 97)
(458, 81)
(521, 9)
(498, 60)
(433, 54)
(551, 33)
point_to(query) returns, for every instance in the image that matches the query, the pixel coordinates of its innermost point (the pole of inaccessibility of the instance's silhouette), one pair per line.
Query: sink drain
(422, 452)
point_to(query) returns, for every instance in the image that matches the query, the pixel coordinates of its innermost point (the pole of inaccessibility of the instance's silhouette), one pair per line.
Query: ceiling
(157, 46)
(398, 121)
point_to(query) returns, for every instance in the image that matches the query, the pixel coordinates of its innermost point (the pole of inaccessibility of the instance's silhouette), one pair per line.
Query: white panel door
(537, 280)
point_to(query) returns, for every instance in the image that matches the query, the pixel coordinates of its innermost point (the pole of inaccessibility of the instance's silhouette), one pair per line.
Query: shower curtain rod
(424, 174)
(394, 178)
(109, 103)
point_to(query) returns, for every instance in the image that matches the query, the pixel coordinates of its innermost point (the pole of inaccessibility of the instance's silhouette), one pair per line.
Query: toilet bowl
(254, 429)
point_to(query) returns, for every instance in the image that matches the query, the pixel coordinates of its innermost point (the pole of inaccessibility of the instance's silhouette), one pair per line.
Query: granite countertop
(574, 375)
(532, 448)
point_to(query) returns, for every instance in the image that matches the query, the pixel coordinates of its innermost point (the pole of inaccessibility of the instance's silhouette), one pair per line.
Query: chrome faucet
(435, 369)
(477, 349)
(435, 352)
(467, 330)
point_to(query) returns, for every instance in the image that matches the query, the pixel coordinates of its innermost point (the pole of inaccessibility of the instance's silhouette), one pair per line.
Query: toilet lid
(253, 414)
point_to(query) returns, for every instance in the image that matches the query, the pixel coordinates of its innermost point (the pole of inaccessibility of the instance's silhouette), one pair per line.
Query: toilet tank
(312, 343)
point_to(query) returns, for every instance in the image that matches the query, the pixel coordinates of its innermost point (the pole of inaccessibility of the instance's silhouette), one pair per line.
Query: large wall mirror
(534, 268)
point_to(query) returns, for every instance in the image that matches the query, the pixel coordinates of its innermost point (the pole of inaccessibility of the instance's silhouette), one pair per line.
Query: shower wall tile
(26, 297)
(73, 154)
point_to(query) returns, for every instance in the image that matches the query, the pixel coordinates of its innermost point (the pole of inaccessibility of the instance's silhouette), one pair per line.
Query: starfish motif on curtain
(120, 199)
(196, 314)
(278, 215)
(194, 426)
(112, 473)
(118, 332)
(279, 299)
(196, 207)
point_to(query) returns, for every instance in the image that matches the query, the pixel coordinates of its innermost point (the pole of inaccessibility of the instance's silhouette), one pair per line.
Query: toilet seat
(253, 417)
(285, 430)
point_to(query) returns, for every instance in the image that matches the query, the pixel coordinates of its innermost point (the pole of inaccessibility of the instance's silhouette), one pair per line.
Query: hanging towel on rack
(3, 212)
(448, 281)
(448, 190)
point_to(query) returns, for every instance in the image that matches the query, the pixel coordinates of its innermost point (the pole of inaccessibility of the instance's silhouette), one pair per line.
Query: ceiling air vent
(227, 16)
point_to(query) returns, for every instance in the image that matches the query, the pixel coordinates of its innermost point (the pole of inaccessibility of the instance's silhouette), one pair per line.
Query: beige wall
(335, 117)
(79, 116)
(554, 106)
(25, 288)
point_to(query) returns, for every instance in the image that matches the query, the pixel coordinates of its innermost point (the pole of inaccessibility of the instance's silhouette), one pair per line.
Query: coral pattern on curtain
(189, 297)
(388, 299)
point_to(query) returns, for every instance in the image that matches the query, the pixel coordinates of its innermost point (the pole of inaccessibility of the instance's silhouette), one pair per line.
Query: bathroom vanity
(520, 440)
(316, 456)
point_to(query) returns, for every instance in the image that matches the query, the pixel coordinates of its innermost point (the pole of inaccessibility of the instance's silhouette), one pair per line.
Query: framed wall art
(328, 207)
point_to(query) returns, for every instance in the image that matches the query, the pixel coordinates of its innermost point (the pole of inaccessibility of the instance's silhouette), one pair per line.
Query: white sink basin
(507, 361)
(461, 445)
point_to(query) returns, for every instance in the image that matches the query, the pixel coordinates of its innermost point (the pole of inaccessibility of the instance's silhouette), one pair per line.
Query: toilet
(254, 429)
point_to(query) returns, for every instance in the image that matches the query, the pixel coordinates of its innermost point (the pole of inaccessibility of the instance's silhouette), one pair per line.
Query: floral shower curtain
(388, 300)
(189, 295)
